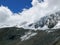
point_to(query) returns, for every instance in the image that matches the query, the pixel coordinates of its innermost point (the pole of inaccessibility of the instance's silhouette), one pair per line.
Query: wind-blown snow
(28, 16)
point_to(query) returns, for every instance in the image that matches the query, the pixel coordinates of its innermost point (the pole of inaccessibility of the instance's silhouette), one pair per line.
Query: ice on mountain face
(50, 21)
(41, 22)
(57, 25)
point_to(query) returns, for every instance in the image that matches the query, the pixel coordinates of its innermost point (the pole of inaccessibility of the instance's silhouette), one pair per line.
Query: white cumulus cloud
(38, 10)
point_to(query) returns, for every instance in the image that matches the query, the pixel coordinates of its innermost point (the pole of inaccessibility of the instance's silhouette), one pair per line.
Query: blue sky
(16, 5)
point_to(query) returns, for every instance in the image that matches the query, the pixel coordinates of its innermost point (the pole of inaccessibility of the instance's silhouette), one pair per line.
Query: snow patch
(27, 36)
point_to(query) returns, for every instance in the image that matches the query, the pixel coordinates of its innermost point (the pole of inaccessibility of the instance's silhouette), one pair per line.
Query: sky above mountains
(16, 5)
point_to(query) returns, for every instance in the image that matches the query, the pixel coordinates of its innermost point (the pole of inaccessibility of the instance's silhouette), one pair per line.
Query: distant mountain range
(50, 20)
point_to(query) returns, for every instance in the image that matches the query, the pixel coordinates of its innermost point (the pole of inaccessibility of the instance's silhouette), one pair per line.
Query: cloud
(38, 10)
(4, 13)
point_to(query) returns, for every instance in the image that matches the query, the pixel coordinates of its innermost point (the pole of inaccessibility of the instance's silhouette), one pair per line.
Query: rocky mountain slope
(15, 36)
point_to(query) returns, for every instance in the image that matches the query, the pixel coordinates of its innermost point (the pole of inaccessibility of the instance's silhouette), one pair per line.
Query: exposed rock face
(41, 22)
(11, 33)
(52, 21)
